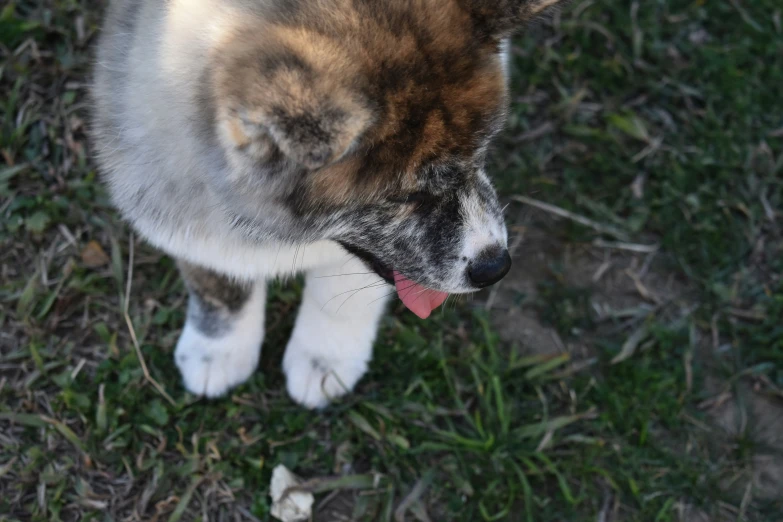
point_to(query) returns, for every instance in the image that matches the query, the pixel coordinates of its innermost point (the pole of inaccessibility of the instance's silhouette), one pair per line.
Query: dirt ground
(625, 287)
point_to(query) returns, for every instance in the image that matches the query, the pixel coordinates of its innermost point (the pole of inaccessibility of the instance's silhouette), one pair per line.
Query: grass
(660, 120)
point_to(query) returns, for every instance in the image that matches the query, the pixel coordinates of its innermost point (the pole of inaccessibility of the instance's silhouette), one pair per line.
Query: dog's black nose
(489, 267)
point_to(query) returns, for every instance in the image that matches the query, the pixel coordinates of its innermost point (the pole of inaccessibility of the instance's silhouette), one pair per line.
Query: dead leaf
(93, 255)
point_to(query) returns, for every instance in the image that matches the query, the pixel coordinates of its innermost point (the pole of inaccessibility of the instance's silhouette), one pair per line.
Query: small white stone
(297, 505)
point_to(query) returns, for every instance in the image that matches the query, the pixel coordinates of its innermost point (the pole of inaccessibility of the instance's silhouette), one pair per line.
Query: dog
(346, 139)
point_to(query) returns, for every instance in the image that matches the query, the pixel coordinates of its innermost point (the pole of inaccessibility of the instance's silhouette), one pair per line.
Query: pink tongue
(419, 300)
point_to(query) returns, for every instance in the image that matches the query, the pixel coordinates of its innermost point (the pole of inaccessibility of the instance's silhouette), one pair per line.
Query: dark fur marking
(214, 299)
(496, 19)
(313, 134)
(269, 64)
(319, 364)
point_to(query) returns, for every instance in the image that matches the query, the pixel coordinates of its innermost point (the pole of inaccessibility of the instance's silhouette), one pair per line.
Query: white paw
(331, 344)
(211, 367)
(314, 381)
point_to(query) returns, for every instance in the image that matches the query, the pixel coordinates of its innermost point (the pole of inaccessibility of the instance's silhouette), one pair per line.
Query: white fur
(482, 229)
(332, 341)
(505, 56)
(331, 344)
(211, 366)
(231, 256)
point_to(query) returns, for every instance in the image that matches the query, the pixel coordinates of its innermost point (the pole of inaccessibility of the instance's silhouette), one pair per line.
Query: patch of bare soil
(620, 287)
(749, 426)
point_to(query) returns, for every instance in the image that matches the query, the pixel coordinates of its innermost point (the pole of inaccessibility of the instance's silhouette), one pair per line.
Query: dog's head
(377, 116)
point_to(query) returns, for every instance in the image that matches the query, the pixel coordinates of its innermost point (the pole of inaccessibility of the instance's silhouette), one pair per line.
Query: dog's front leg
(332, 341)
(221, 343)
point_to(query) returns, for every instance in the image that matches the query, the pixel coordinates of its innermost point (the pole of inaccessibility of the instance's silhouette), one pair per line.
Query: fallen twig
(631, 247)
(552, 209)
(132, 330)
(533, 134)
(750, 315)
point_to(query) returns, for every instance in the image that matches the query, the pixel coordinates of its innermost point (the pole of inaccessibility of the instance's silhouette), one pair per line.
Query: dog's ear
(317, 132)
(499, 18)
(312, 129)
(272, 98)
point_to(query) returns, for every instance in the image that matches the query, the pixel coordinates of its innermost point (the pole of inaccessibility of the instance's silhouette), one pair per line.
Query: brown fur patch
(214, 290)
(494, 19)
(396, 86)
(335, 183)
(236, 133)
